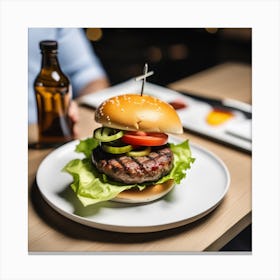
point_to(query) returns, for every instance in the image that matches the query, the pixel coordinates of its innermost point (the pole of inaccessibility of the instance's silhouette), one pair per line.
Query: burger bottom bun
(149, 194)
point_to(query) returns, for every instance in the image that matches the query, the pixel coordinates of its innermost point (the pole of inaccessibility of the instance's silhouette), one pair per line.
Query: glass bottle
(53, 95)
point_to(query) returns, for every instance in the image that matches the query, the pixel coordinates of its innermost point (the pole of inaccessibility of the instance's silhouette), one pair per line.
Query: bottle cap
(48, 45)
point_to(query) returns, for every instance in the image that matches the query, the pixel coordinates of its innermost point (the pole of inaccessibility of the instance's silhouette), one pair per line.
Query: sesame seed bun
(150, 193)
(136, 112)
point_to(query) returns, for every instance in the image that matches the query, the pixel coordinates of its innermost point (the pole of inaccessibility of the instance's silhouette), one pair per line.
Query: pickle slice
(139, 153)
(116, 149)
(106, 134)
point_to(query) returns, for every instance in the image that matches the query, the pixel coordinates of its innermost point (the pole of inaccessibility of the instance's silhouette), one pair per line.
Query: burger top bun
(150, 193)
(136, 112)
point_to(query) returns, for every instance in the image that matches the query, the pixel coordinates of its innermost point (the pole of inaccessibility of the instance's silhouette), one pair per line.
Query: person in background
(77, 60)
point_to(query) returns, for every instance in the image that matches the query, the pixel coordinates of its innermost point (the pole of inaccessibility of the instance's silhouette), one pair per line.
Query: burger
(128, 159)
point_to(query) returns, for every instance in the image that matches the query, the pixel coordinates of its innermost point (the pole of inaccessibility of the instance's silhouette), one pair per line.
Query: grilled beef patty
(131, 170)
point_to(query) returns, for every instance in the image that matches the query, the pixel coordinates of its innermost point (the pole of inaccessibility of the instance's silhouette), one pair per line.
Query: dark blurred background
(172, 53)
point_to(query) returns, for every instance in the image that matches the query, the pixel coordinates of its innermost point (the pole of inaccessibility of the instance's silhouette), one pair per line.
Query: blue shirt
(76, 57)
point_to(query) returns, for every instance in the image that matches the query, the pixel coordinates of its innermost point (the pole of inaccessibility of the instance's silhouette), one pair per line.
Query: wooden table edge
(230, 233)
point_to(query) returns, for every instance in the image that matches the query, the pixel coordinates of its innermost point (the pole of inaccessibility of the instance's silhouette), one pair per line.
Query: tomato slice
(141, 138)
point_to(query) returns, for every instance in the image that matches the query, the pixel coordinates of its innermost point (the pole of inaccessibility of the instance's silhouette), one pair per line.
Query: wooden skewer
(144, 76)
(139, 78)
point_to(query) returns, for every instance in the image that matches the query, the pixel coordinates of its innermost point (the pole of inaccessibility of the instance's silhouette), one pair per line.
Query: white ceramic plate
(199, 193)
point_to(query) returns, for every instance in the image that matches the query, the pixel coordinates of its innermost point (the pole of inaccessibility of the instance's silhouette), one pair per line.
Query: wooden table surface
(48, 231)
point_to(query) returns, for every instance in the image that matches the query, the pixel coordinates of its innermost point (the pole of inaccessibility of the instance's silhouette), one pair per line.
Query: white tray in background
(192, 117)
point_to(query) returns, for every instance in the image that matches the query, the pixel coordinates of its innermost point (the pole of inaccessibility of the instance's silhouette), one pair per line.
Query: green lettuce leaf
(86, 146)
(89, 185)
(92, 187)
(182, 162)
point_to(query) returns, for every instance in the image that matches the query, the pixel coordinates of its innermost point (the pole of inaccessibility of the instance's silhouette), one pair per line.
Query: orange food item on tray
(218, 117)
